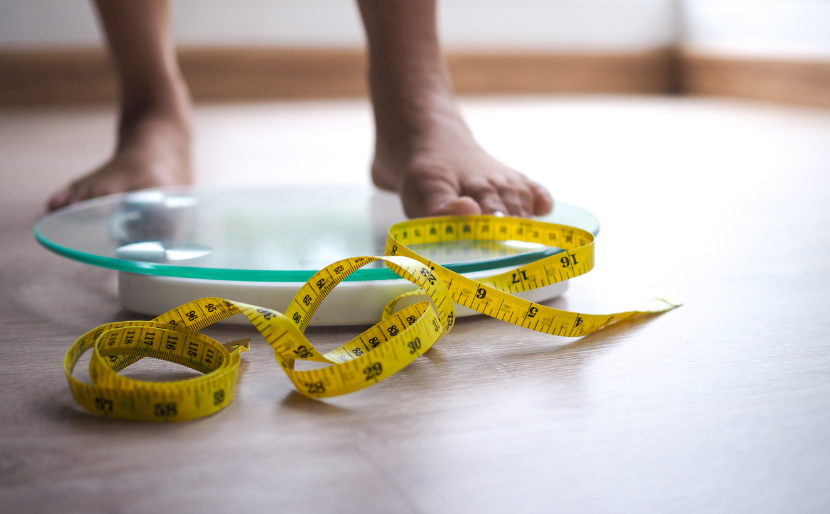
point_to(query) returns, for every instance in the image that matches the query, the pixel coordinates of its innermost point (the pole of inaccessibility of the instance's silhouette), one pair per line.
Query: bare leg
(424, 149)
(154, 130)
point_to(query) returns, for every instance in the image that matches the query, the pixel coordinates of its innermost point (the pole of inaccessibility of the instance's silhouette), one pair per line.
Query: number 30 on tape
(378, 353)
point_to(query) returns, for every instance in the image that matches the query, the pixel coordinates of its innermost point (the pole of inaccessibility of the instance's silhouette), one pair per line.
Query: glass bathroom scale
(258, 245)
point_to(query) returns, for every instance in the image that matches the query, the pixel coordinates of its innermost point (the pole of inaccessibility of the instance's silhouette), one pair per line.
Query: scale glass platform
(258, 245)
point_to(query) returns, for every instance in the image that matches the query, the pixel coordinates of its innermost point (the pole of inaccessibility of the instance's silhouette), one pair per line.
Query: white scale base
(350, 303)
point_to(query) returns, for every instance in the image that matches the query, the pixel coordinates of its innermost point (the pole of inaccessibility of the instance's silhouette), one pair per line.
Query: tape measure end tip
(240, 345)
(672, 304)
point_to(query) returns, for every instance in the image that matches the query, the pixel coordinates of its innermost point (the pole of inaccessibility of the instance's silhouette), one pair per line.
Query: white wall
(467, 24)
(785, 28)
(763, 27)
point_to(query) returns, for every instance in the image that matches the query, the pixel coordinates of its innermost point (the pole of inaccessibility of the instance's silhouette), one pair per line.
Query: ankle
(167, 100)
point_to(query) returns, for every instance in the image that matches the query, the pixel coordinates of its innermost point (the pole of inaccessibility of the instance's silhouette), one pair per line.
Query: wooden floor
(722, 405)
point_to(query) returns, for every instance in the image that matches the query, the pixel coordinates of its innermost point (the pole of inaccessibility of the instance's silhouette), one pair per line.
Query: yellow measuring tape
(376, 354)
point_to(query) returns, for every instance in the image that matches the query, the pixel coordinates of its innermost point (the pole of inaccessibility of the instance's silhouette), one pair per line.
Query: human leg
(424, 149)
(153, 146)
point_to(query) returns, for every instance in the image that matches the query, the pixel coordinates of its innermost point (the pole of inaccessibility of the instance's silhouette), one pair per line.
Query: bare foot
(424, 150)
(432, 160)
(153, 150)
(426, 153)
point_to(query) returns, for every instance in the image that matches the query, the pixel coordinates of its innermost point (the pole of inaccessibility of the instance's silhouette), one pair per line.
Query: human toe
(542, 200)
(460, 206)
(517, 197)
(59, 199)
(485, 195)
(426, 191)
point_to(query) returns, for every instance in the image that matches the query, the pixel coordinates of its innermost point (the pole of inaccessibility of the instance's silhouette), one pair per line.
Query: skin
(153, 146)
(424, 150)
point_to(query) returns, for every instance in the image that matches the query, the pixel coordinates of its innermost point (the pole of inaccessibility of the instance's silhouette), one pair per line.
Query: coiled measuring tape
(376, 354)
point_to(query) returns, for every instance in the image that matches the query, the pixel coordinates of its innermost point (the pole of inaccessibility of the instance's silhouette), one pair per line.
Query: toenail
(499, 214)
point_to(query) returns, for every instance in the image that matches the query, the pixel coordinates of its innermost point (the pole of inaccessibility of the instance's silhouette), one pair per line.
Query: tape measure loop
(376, 354)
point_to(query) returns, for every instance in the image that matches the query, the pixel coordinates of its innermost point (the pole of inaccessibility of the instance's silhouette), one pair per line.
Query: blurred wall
(789, 29)
(51, 50)
(773, 50)
(465, 24)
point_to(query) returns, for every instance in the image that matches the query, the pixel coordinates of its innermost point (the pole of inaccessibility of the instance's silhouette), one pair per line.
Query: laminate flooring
(722, 405)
